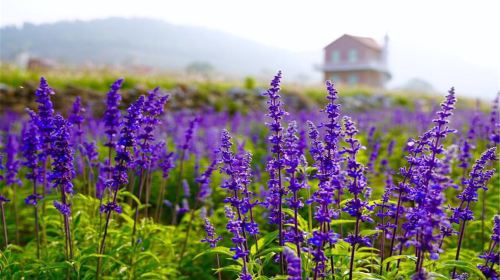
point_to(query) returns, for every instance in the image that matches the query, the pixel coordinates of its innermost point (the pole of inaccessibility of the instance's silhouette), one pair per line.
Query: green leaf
(233, 267)
(151, 275)
(300, 220)
(128, 194)
(365, 276)
(400, 257)
(217, 250)
(369, 232)
(263, 242)
(362, 249)
(434, 275)
(467, 266)
(275, 249)
(339, 222)
(148, 254)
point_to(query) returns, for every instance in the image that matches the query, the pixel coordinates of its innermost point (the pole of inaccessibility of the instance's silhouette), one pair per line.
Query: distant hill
(119, 41)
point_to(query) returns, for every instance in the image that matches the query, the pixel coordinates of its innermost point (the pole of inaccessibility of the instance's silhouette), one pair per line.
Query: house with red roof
(356, 61)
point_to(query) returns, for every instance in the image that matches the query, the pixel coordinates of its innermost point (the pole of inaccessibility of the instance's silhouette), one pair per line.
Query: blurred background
(417, 46)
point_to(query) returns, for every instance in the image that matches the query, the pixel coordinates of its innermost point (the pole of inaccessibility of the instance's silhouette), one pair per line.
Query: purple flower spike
(62, 173)
(64, 209)
(293, 262)
(492, 256)
(211, 238)
(76, 117)
(110, 207)
(33, 199)
(11, 162)
(112, 114)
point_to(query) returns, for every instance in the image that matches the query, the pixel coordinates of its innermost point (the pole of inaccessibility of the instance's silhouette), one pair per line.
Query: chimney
(385, 49)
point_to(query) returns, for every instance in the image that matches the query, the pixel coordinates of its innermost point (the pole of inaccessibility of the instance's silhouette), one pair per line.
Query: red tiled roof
(369, 42)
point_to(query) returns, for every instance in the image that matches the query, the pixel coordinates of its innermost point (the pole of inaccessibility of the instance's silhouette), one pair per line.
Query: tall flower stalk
(62, 175)
(357, 206)
(492, 255)
(152, 110)
(188, 137)
(386, 210)
(478, 179)
(292, 160)
(237, 170)
(126, 143)
(427, 191)
(45, 123)
(212, 240)
(12, 165)
(112, 123)
(3, 200)
(204, 192)
(325, 154)
(30, 149)
(421, 172)
(275, 165)
(166, 164)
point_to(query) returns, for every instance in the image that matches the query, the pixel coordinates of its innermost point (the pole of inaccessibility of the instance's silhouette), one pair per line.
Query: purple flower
(492, 255)
(188, 135)
(211, 238)
(495, 122)
(185, 186)
(152, 110)
(76, 117)
(132, 123)
(184, 207)
(293, 159)
(478, 179)
(330, 179)
(204, 181)
(31, 147)
(293, 264)
(11, 162)
(373, 156)
(127, 142)
(495, 236)
(1, 166)
(357, 185)
(62, 166)
(166, 163)
(276, 163)
(33, 199)
(45, 111)
(234, 226)
(44, 120)
(90, 151)
(167, 203)
(109, 207)
(64, 209)
(237, 169)
(112, 114)
(425, 220)
(464, 155)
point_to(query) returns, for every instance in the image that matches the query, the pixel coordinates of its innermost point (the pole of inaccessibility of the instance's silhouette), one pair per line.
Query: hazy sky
(460, 34)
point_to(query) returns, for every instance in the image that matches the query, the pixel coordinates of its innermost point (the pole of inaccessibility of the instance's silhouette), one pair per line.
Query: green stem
(4, 224)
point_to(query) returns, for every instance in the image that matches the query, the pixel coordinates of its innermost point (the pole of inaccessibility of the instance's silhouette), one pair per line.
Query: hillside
(119, 41)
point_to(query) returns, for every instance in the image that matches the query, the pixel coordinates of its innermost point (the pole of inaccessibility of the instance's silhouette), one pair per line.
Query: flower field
(139, 191)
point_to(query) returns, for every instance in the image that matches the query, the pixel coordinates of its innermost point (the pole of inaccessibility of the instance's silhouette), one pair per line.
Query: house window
(353, 55)
(353, 79)
(335, 56)
(335, 78)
